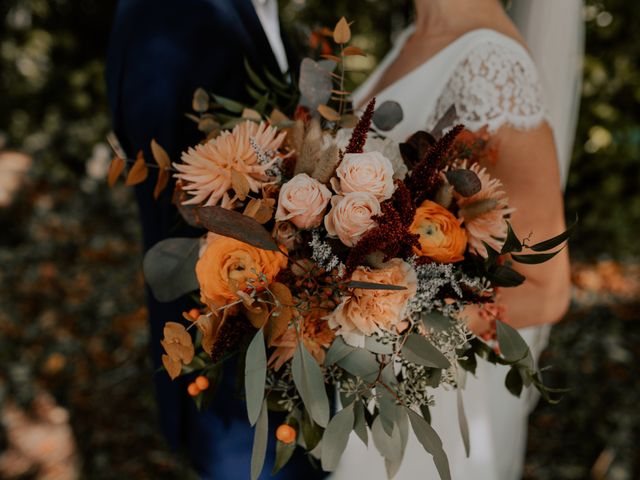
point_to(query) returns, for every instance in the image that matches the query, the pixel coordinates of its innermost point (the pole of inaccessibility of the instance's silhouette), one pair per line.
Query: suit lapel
(259, 39)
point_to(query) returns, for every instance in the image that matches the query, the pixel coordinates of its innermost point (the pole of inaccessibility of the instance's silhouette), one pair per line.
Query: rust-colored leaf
(209, 326)
(250, 114)
(160, 155)
(173, 367)
(235, 225)
(115, 169)
(161, 182)
(351, 50)
(328, 113)
(281, 315)
(240, 184)
(348, 121)
(342, 32)
(277, 117)
(328, 56)
(257, 314)
(177, 343)
(138, 172)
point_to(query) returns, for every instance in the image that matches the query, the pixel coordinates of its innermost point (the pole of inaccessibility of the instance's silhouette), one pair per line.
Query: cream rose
(365, 172)
(365, 311)
(302, 201)
(351, 216)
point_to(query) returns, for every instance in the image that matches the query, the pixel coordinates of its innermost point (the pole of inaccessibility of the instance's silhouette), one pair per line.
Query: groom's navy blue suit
(160, 52)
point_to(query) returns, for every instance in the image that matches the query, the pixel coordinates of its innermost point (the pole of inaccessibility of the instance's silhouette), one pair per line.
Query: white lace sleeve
(494, 85)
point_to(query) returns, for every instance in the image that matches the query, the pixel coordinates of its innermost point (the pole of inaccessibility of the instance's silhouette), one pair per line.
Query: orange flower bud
(286, 434)
(202, 382)
(193, 389)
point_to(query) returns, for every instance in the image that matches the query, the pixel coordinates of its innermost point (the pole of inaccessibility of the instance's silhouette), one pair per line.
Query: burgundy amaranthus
(425, 176)
(361, 130)
(391, 237)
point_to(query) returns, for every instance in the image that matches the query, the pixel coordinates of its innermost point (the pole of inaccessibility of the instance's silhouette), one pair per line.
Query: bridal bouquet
(337, 265)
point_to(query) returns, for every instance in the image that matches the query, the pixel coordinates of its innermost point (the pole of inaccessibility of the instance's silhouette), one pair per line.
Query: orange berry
(202, 382)
(286, 434)
(193, 389)
(194, 313)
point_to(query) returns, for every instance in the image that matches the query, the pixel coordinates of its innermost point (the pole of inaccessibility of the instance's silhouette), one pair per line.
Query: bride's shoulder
(494, 81)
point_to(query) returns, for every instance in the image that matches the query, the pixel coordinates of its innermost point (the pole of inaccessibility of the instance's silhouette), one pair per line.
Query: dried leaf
(240, 184)
(235, 225)
(173, 367)
(348, 121)
(265, 212)
(160, 155)
(351, 50)
(328, 56)
(200, 101)
(177, 342)
(342, 32)
(138, 172)
(115, 169)
(209, 325)
(281, 315)
(251, 114)
(328, 113)
(208, 125)
(252, 208)
(161, 182)
(257, 314)
(277, 117)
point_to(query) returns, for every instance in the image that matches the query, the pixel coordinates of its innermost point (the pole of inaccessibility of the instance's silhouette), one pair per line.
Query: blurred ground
(77, 381)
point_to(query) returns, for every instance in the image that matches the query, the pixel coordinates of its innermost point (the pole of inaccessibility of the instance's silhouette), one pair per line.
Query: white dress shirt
(267, 11)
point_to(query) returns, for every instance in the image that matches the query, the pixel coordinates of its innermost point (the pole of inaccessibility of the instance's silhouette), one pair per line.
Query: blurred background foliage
(71, 316)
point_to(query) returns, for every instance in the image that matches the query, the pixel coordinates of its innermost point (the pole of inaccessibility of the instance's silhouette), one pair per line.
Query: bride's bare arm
(528, 168)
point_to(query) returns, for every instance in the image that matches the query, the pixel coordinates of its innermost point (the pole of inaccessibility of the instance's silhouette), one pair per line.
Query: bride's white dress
(491, 80)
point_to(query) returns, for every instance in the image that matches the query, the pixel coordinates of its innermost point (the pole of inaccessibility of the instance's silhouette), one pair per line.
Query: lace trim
(494, 86)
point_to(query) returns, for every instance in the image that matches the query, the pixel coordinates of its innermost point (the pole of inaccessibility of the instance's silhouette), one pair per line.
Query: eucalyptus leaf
(309, 381)
(335, 438)
(360, 423)
(315, 84)
(417, 349)
(462, 423)
(431, 442)
(338, 350)
(512, 346)
(387, 115)
(464, 181)
(388, 409)
(387, 445)
(235, 225)
(200, 102)
(362, 364)
(260, 438)
(255, 375)
(284, 452)
(311, 431)
(170, 268)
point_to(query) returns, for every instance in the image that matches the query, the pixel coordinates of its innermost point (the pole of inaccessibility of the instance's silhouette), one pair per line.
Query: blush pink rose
(302, 201)
(351, 216)
(365, 312)
(365, 172)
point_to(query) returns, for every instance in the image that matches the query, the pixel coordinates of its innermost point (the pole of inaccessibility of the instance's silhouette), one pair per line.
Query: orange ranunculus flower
(227, 264)
(442, 239)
